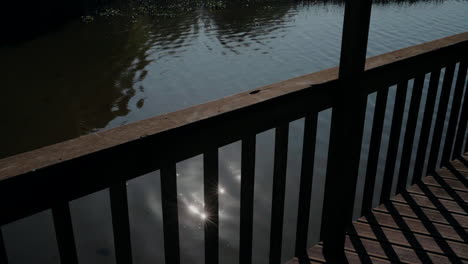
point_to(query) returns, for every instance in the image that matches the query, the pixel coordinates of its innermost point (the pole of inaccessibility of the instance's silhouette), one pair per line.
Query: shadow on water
(69, 84)
(27, 19)
(75, 81)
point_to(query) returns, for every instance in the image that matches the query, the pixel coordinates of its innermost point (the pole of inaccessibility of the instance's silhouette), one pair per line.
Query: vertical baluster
(410, 131)
(121, 223)
(426, 126)
(305, 185)
(461, 131)
(211, 191)
(170, 213)
(462, 128)
(3, 254)
(374, 149)
(64, 233)
(247, 195)
(279, 184)
(393, 143)
(440, 119)
(454, 113)
(466, 144)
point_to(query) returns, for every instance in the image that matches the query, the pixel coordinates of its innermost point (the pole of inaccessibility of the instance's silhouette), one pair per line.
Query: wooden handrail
(36, 180)
(389, 64)
(390, 68)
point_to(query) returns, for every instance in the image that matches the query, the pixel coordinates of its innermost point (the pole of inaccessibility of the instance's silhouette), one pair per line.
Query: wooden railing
(50, 177)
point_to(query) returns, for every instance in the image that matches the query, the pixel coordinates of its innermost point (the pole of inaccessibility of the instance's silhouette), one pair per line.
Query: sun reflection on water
(221, 190)
(197, 207)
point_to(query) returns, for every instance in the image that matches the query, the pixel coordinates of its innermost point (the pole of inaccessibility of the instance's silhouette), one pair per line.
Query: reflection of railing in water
(52, 176)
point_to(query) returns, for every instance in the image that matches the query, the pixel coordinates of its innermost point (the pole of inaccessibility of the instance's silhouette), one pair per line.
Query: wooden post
(346, 130)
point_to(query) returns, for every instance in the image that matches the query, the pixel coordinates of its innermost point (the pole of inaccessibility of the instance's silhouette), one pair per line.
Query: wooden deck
(428, 223)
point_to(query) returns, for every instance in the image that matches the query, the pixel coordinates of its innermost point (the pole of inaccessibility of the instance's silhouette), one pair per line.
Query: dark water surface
(85, 77)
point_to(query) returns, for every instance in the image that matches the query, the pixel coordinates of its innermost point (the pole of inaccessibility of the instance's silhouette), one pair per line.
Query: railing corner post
(346, 131)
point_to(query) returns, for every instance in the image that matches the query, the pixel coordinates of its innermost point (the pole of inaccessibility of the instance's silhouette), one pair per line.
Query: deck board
(430, 202)
(414, 225)
(431, 214)
(428, 223)
(439, 193)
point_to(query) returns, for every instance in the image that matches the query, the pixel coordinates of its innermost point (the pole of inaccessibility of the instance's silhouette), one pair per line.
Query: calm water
(85, 77)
